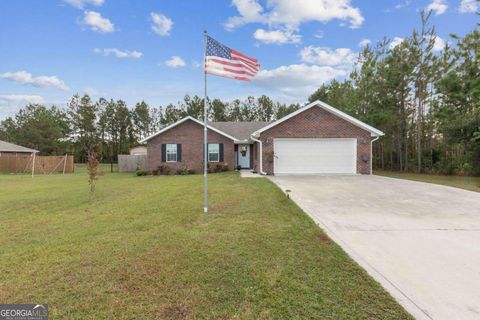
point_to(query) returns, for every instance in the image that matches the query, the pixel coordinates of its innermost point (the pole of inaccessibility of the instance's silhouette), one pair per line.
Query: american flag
(222, 61)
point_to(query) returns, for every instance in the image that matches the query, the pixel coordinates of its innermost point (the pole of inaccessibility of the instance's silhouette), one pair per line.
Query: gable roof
(182, 121)
(10, 147)
(373, 131)
(240, 130)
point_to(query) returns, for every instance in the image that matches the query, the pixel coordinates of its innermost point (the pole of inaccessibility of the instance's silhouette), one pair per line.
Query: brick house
(315, 139)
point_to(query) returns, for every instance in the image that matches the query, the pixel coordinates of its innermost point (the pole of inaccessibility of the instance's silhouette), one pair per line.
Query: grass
(141, 248)
(104, 167)
(462, 182)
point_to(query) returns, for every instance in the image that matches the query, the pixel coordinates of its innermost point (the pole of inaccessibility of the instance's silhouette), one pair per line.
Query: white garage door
(315, 156)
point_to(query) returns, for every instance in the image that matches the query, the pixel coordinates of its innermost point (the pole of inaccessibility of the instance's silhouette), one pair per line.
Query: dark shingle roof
(239, 130)
(10, 147)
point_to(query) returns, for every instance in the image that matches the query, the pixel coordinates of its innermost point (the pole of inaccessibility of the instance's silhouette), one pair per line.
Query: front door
(244, 156)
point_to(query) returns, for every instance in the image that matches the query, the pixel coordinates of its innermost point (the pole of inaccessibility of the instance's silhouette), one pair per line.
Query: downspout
(371, 154)
(261, 155)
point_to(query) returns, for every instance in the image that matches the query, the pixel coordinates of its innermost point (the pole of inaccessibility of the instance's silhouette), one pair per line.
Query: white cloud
(439, 44)
(161, 25)
(404, 4)
(293, 13)
(97, 23)
(327, 56)
(319, 34)
(196, 64)
(399, 6)
(175, 62)
(118, 53)
(79, 4)
(250, 12)
(469, 6)
(24, 77)
(395, 42)
(21, 98)
(277, 36)
(438, 7)
(297, 80)
(364, 42)
(11, 103)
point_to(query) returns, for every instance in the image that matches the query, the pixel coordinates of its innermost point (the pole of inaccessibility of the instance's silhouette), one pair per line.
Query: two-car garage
(315, 156)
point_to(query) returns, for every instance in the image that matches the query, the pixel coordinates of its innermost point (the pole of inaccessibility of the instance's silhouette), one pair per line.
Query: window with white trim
(213, 152)
(171, 152)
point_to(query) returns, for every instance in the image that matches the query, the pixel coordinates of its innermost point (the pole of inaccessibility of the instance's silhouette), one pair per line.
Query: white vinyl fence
(130, 163)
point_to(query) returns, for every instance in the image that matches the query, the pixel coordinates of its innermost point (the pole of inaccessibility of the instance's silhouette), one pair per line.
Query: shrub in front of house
(163, 170)
(210, 168)
(183, 171)
(222, 167)
(215, 168)
(141, 172)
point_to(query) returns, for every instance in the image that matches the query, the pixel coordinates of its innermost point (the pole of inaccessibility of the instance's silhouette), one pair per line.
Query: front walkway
(420, 241)
(247, 173)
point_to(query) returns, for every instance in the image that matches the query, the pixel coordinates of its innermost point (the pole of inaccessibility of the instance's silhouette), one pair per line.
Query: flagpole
(205, 134)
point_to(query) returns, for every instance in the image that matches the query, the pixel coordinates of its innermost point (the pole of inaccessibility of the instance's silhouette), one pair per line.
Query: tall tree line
(426, 101)
(112, 128)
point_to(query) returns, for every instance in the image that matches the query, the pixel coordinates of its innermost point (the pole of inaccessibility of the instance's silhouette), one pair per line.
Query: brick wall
(190, 135)
(317, 123)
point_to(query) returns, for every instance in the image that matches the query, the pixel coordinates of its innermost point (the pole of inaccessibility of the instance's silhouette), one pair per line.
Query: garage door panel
(315, 156)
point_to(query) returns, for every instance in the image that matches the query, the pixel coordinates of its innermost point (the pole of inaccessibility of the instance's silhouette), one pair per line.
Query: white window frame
(170, 152)
(217, 152)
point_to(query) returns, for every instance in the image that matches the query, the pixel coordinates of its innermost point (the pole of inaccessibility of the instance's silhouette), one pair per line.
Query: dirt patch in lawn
(175, 311)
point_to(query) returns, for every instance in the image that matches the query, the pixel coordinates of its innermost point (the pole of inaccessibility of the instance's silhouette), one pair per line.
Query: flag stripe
(221, 65)
(227, 75)
(230, 63)
(222, 68)
(244, 56)
(245, 62)
(229, 69)
(240, 58)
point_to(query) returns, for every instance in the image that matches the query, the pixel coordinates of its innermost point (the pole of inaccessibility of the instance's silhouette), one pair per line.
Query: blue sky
(152, 50)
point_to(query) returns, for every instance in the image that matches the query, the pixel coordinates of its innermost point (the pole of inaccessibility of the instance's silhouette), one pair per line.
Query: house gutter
(261, 155)
(371, 154)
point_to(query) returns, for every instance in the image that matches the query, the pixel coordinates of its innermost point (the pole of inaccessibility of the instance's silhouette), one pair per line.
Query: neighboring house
(15, 158)
(316, 139)
(138, 151)
(7, 148)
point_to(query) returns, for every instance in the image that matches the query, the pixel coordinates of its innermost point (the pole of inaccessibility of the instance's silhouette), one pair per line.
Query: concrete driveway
(420, 241)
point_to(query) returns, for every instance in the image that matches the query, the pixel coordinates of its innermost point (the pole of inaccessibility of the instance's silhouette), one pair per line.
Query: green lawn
(467, 183)
(143, 249)
(105, 167)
